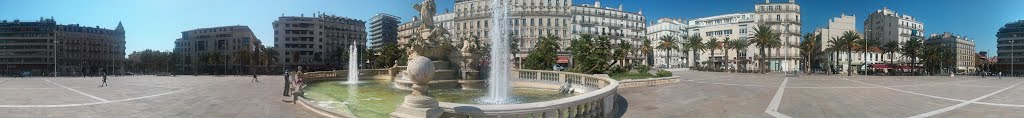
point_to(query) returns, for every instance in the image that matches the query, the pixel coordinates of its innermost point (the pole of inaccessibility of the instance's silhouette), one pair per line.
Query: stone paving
(717, 94)
(146, 97)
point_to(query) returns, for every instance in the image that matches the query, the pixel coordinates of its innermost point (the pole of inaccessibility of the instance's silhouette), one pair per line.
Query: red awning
(904, 67)
(562, 60)
(880, 66)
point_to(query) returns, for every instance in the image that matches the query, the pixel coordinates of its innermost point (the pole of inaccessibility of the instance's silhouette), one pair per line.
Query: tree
(623, 52)
(590, 54)
(544, 54)
(890, 48)
(912, 48)
(389, 55)
(694, 43)
(668, 43)
(810, 48)
(243, 58)
(937, 58)
(764, 37)
(712, 45)
(740, 45)
(297, 56)
(849, 38)
(645, 50)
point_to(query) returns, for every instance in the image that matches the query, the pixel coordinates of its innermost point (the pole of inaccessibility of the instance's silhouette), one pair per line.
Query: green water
(377, 98)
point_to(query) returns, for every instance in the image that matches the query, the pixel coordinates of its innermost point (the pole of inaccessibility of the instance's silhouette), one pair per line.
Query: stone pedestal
(419, 104)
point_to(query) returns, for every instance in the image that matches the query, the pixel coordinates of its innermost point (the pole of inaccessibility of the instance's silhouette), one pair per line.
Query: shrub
(663, 73)
(642, 68)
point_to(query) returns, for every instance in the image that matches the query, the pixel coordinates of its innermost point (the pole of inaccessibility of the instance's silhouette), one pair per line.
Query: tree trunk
(761, 65)
(849, 60)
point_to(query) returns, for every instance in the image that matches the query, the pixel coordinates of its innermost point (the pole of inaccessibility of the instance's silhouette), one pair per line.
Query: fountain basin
(377, 98)
(535, 91)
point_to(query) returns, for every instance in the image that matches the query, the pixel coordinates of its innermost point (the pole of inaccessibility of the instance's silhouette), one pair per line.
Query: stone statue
(427, 9)
(469, 54)
(429, 41)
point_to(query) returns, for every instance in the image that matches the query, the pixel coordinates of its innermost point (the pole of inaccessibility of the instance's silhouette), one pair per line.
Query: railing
(596, 103)
(338, 74)
(648, 82)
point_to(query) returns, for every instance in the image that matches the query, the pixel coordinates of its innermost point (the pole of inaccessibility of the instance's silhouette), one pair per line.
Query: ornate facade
(44, 46)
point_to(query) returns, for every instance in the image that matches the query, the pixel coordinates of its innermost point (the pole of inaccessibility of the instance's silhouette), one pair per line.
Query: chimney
(597, 3)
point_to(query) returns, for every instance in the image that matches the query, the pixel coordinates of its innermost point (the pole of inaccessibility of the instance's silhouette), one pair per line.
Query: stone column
(419, 104)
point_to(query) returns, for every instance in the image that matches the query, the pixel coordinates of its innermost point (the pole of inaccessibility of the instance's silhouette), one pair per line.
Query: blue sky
(154, 24)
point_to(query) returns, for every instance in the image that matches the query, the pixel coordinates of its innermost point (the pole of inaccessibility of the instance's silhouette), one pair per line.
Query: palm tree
(668, 43)
(242, 58)
(890, 48)
(740, 45)
(810, 48)
(694, 44)
(645, 50)
(712, 45)
(764, 37)
(725, 48)
(849, 38)
(912, 48)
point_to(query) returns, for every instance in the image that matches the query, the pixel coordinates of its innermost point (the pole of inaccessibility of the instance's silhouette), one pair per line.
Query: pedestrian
(104, 73)
(287, 83)
(297, 91)
(257, 80)
(1000, 75)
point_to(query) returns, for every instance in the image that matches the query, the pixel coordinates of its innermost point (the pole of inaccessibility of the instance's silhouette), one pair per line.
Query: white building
(838, 60)
(667, 27)
(886, 26)
(963, 46)
(784, 18)
(737, 26)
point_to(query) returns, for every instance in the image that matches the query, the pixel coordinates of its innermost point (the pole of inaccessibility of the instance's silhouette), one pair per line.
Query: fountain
(498, 85)
(353, 67)
(422, 88)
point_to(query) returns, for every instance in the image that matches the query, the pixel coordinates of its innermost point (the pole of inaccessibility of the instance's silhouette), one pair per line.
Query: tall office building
(383, 30)
(886, 26)
(318, 42)
(962, 46)
(1010, 45)
(42, 47)
(214, 43)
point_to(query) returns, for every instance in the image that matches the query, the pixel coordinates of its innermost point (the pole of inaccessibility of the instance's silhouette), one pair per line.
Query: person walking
(254, 79)
(287, 83)
(104, 73)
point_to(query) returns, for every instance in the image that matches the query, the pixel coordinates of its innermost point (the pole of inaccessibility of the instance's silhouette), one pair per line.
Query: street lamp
(55, 42)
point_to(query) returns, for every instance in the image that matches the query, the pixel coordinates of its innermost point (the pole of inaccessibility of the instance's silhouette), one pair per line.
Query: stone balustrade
(340, 74)
(598, 102)
(648, 82)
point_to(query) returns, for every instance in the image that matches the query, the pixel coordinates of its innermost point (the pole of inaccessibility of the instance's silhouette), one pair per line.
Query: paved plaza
(146, 97)
(717, 94)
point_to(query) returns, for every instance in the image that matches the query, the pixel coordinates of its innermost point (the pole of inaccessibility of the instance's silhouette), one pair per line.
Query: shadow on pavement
(620, 106)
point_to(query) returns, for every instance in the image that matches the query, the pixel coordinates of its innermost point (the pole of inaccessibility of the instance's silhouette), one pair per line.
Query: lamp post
(55, 42)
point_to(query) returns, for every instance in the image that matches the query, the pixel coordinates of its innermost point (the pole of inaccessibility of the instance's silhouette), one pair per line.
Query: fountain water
(498, 84)
(353, 67)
